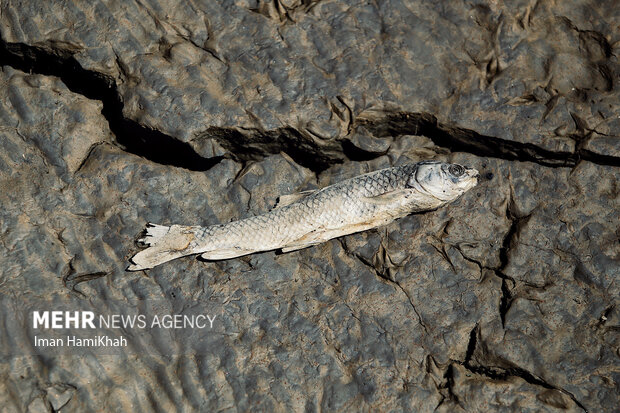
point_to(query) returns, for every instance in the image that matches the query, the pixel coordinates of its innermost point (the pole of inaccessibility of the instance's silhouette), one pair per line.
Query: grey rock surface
(282, 75)
(117, 114)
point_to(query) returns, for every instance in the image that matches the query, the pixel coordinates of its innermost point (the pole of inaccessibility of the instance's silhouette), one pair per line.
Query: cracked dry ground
(118, 114)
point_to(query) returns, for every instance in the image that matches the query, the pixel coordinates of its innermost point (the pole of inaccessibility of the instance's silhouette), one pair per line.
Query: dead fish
(312, 217)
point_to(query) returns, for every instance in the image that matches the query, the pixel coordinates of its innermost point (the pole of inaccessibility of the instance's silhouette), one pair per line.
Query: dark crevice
(355, 153)
(448, 384)
(506, 298)
(458, 139)
(499, 373)
(449, 376)
(71, 279)
(86, 159)
(599, 159)
(130, 135)
(503, 373)
(505, 301)
(471, 344)
(605, 314)
(255, 144)
(508, 238)
(516, 223)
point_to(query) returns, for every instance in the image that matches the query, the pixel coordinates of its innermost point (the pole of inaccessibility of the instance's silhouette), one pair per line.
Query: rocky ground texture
(115, 114)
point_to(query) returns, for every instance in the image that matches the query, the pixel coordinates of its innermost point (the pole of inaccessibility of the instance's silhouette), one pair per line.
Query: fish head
(444, 181)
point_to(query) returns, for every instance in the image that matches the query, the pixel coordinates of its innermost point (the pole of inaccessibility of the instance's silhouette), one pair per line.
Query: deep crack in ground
(253, 144)
(501, 373)
(458, 139)
(152, 144)
(130, 135)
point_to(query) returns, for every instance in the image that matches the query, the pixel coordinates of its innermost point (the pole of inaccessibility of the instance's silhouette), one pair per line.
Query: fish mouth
(473, 175)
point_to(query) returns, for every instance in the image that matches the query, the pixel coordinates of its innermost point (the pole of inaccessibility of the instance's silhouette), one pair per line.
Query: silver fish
(312, 217)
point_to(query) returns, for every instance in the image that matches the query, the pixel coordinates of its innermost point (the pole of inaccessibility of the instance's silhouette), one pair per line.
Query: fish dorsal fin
(389, 198)
(285, 200)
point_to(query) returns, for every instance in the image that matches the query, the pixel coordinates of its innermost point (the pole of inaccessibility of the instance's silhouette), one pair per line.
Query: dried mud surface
(193, 112)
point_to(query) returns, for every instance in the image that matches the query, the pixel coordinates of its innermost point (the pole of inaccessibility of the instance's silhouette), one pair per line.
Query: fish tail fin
(153, 234)
(163, 244)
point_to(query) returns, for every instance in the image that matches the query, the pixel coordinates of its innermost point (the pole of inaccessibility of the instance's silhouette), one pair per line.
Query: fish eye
(456, 170)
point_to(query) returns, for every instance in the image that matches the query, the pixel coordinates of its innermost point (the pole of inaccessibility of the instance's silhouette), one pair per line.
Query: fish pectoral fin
(388, 198)
(225, 254)
(285, 200)
(311, 238)
(322, 235)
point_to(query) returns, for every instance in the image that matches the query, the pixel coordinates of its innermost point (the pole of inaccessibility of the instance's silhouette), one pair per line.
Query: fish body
(312, 217)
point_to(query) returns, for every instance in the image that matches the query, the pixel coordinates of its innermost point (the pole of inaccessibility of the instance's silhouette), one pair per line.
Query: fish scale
(329, 208)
